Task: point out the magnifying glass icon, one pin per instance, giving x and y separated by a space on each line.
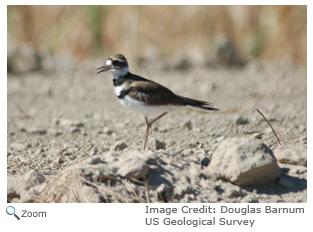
11 211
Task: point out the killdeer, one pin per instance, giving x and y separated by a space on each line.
145 96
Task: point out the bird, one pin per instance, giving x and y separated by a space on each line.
146 96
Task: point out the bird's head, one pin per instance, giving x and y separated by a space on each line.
117 65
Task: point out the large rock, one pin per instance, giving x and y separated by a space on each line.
244 162
24 188
291 154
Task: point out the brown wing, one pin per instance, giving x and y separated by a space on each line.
155 94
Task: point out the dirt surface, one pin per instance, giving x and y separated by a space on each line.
57 118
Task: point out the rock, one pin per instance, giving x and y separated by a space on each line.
75 130
68 123
256 136
244 161
14 187
233 191
250 199
38 131
154 168
220 139
106 130
303 139
210 174
291 154
301 170
18 146
180 190
155 144
188 152
32 178
118 146
188 125
94 160
162 188
58 133
241 120
22 188
205 162
133 168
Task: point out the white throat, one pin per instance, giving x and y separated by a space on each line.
118 73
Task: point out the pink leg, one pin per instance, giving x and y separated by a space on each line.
149 124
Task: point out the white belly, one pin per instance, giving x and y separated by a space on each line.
144 109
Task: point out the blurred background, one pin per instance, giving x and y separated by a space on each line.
229 34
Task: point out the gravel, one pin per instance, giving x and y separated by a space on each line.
67 125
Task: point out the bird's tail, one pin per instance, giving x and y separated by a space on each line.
197 103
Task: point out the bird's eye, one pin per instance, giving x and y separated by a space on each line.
115 62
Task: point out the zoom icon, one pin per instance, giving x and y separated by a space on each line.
11 211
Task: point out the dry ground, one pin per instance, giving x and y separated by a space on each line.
58 118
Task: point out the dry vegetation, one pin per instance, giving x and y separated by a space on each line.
267 32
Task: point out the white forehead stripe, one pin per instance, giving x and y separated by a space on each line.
108 63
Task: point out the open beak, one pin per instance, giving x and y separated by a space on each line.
103 69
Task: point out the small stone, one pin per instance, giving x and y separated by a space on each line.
292 154
133 168
250 199
205 162
58 133
106 130
61 160
94 160
33 178
36 152
214 86
155 144
301 170
220 139
256 136
75 130
118 146
69 123
181 189
193 145
233 191
188 125
18 146
210 174
162 188
303 140
188 152
241 120
154 168
38 131
67 153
